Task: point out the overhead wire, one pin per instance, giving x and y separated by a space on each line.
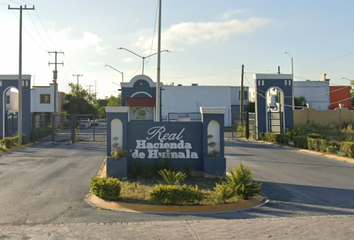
30 35
153 35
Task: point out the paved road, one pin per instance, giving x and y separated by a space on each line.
43 186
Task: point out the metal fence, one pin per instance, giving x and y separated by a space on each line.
184 117
67 128
244 125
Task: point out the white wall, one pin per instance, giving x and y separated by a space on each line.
183 99
235 95
316 93
36 106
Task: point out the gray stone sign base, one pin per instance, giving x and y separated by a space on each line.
117 168
214 167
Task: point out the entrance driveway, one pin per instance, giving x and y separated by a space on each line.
42 190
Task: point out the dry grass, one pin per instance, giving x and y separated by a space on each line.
137 190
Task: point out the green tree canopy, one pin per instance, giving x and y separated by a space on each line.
79 101
111 101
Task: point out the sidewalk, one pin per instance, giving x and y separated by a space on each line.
326 227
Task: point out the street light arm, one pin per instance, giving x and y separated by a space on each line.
157 53
121 48
113 68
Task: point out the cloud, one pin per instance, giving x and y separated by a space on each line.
95 63
128 59
189 33
230 13
87 41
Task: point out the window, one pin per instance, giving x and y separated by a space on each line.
45 98
7 99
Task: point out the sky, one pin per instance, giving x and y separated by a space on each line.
208 40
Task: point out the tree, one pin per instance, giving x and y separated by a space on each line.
79 101
111 101
300 102
115 101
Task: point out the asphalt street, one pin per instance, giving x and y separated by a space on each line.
45 184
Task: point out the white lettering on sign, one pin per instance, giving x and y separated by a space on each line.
166 143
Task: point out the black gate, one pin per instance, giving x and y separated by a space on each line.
252 130
11 124
90 128
275 122
50 127
239 125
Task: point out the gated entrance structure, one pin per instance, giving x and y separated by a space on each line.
11 81
274 102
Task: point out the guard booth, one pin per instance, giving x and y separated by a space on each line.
274 103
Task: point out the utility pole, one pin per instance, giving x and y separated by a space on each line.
158 91
95 89
19 131
241 92
89 86
77 75
55 77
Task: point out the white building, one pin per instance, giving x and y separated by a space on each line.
183 100
316 93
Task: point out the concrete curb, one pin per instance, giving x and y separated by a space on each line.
130 207
100 203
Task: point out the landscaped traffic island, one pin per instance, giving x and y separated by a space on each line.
176 192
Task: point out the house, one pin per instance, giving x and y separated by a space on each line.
340 95
179 103
42 103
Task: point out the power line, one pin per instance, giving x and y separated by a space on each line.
38 31
55 46
31 35
153 35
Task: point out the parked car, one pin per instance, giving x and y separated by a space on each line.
102 119
94 121
85 123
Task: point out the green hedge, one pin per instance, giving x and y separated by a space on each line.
317 144
300 141
275 137
106 188
176 195
9 142
348 149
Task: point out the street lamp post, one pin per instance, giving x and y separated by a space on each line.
292 73
116 70
142 57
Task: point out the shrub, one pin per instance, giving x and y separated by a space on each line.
9 142
348 149
223 192
331 149
276 138
118 153
240 181
262 136
317 144
106 188
171 177
176 195
314 135
290 133
300 141
241 131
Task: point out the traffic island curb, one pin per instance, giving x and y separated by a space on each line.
131 207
